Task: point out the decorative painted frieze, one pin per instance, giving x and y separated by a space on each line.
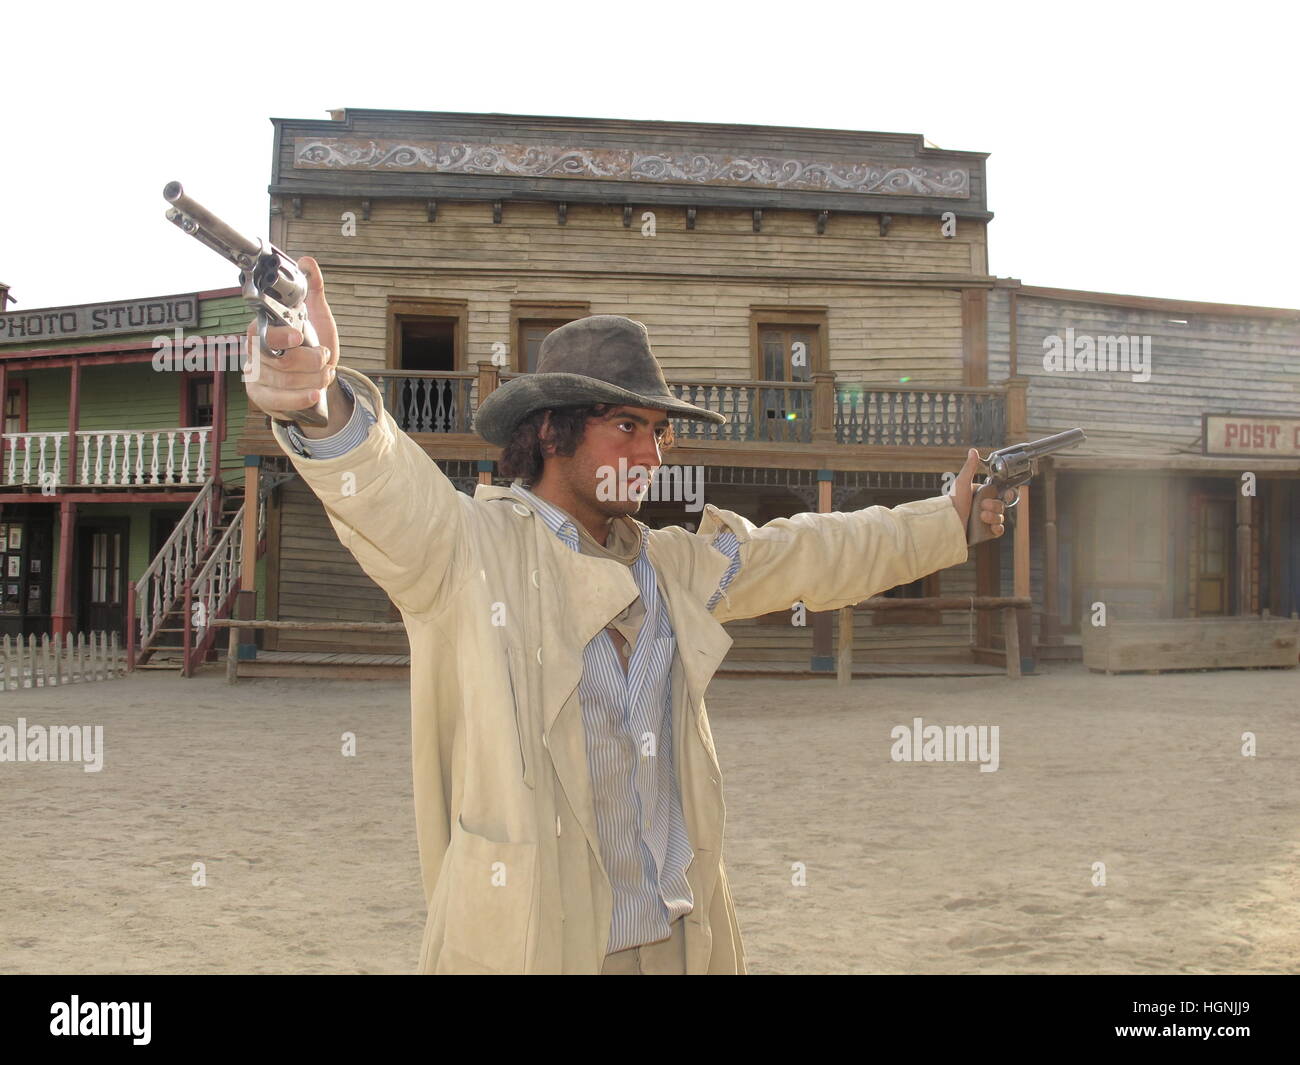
618 164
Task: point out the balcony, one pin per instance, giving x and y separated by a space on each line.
106 458
820 412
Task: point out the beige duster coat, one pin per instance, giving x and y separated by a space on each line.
509 854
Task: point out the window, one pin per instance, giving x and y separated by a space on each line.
16 407
532 331
427 335
530 322
198 401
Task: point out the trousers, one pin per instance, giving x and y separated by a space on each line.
665 957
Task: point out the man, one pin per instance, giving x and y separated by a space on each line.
568 798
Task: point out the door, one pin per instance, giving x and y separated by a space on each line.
1212 556
102 575
789 353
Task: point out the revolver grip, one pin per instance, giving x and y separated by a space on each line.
977 532
318 415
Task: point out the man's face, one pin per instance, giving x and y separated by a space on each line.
613 467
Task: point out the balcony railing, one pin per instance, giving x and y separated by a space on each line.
108 458
920 417
767 411
423 401
821 411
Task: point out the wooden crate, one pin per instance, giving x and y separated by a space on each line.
1190 643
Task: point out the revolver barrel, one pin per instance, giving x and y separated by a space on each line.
1055 442
202 224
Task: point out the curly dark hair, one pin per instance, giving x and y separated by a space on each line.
524 455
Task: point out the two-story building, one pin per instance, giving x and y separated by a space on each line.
119 476
826 289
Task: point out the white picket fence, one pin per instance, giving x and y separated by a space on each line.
39 661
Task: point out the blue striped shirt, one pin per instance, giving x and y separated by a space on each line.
627 719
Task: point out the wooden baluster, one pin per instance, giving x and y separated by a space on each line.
203 451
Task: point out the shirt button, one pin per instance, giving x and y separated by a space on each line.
521 510
627 650
647 824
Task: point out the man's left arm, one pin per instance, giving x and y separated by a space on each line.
827 561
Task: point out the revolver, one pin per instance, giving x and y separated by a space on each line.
273 285
1005 471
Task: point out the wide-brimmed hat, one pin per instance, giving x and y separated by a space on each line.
604 358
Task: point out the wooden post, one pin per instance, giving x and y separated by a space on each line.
4 406
245 605
1245 569
130 626
1020 581
232 656
823 412
218 434
185 625
489 379
74 421
62 621
1011 633
844 671
1013 331
1051 560
1017 409
822 660
975 336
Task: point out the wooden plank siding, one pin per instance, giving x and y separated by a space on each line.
1213 362
319 580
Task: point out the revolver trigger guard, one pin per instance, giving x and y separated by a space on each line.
263 321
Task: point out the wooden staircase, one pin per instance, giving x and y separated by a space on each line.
193 580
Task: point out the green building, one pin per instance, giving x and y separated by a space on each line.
120 478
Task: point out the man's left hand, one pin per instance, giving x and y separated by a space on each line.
991 511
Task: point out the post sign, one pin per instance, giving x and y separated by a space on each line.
53 324
1256 435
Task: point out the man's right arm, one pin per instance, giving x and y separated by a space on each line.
390 505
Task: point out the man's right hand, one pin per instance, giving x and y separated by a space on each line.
294 381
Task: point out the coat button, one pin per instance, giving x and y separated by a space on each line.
536 581
544 743
521 510
557 824
539 656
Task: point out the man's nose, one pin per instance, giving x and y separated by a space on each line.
647 453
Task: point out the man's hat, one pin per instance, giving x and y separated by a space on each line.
604 358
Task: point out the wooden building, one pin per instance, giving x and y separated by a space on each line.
119 474
1185 500
826 289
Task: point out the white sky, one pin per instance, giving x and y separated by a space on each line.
1135 147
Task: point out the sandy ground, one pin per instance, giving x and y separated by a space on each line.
311 862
